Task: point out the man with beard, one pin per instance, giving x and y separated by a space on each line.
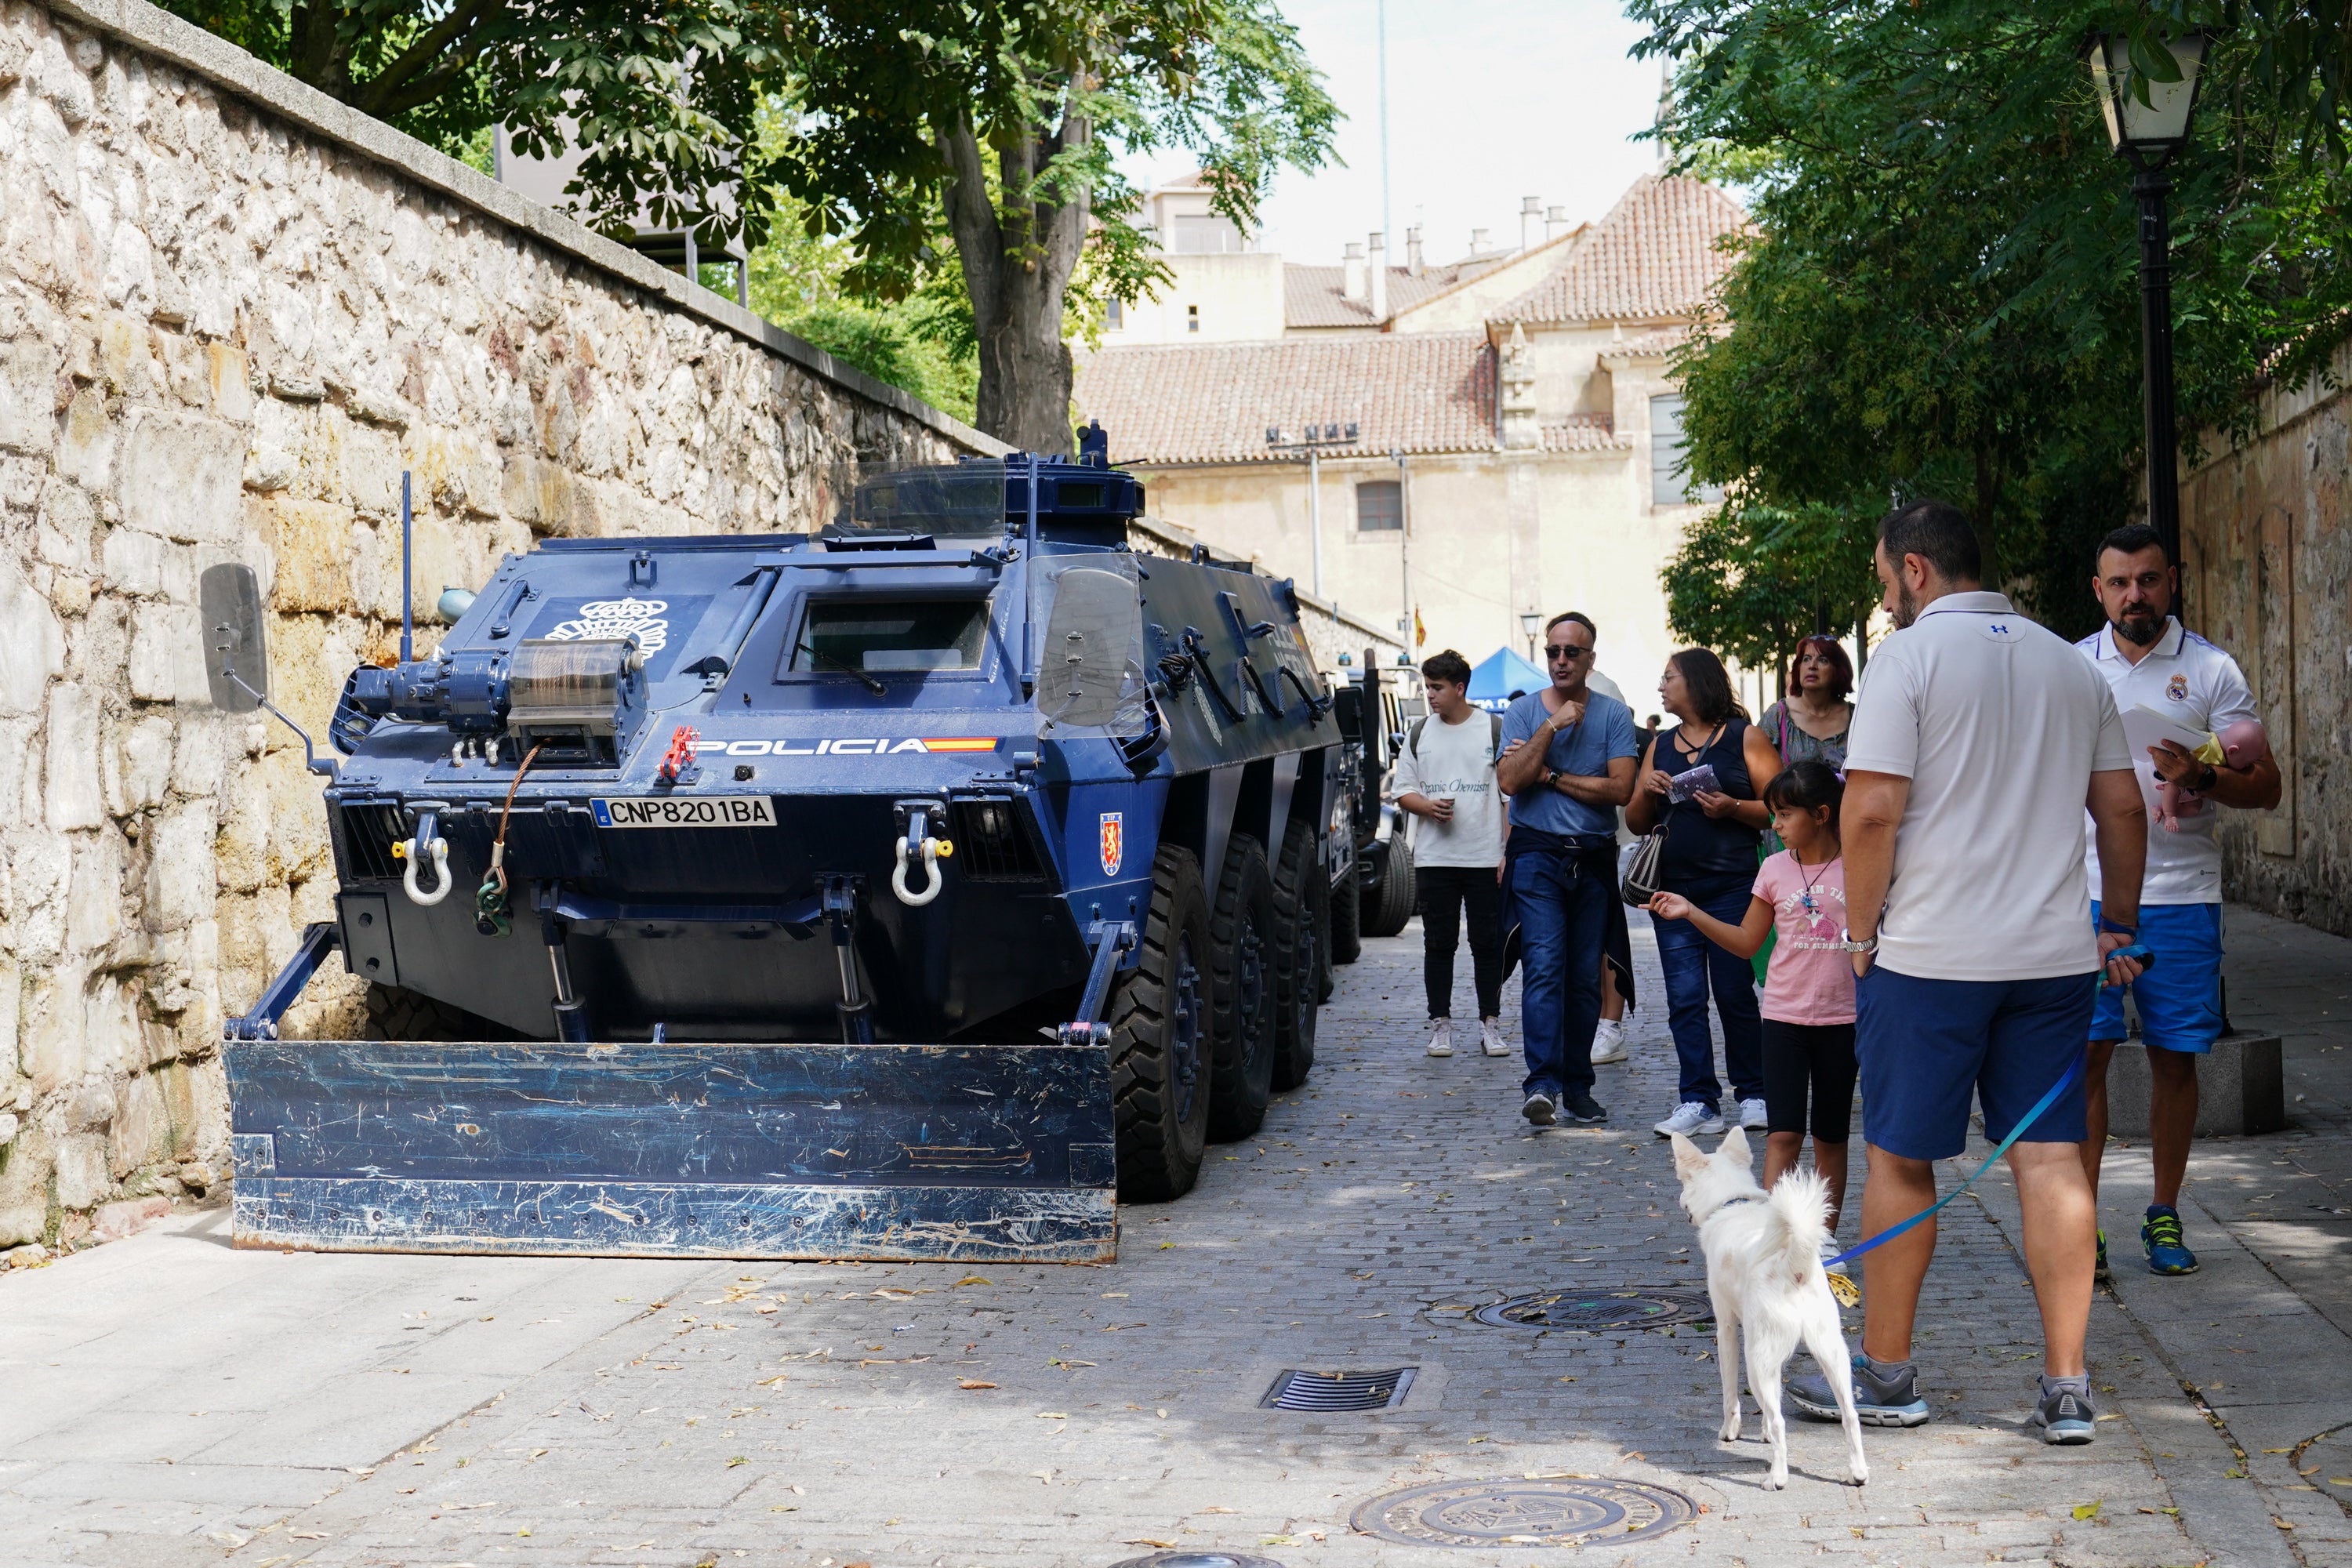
1977 740
2151 661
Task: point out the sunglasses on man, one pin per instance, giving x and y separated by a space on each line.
1569 652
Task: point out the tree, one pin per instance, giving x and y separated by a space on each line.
988 126
662 97
1940 292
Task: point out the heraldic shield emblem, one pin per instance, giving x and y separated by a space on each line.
1114 843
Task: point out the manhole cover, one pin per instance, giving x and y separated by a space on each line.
1525 1513
1197 1560
1338 1390
1592 1310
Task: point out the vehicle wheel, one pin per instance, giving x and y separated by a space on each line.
1347 915
1302 912
1241 936
395 1013
1161 1041
1389 906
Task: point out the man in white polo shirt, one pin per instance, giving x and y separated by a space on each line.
1978 738
2151 661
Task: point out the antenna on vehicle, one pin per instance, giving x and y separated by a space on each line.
407 598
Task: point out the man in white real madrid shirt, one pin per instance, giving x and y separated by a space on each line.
2151 661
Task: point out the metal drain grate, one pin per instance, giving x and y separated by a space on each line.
1546 1511
1592 1311
1296 1390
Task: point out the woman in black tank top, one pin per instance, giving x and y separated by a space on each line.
1710 858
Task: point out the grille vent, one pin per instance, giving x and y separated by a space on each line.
1295 1389
367 834
994 842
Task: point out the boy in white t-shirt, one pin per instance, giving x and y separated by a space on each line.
1444 777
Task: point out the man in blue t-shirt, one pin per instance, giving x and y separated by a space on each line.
1567 764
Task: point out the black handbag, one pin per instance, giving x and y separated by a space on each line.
1639 885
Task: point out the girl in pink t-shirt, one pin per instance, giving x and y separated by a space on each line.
1808 1004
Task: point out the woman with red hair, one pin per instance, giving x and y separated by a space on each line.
1811 718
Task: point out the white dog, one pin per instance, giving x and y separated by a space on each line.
1764 1276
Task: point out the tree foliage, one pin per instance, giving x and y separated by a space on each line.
660 96
1940 294
985 130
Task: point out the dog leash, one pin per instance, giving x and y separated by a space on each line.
2135 951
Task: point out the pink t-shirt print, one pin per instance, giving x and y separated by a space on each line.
1811 980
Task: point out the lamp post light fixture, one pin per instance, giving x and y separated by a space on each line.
2147 123
1529 623
1318 439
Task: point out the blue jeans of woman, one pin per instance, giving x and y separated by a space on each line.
1693 967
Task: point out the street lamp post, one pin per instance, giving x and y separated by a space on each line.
2148 123
1318 439
1529 623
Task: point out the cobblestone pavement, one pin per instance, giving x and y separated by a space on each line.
171 1400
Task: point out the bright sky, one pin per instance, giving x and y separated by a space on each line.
1488 103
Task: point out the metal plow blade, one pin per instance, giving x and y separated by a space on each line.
958 1154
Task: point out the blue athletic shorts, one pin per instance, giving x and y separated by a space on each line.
1928 1047
2179 999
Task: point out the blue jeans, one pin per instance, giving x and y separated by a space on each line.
1693 963
1562 913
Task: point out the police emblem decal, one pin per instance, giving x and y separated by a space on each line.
1114 843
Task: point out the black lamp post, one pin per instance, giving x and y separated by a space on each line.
2147 121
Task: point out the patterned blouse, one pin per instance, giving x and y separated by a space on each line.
1794 746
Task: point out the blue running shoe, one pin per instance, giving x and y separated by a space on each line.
2159 1233
2064 1412
1883 1396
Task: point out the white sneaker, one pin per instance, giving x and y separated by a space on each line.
1830 1247
1690 1119
1441 1044
1753 1116
1609 1042
1490 1038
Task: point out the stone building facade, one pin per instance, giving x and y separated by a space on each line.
2266 547
232 313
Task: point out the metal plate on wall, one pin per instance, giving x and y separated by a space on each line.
1565 1513
1595 1311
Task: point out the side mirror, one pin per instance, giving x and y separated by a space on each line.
237 657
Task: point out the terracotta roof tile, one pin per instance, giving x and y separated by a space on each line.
1317 296
1212 402
1653 256
1582 433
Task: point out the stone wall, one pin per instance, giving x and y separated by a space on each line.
232 314
2266 542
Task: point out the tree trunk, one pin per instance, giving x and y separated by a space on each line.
1016 269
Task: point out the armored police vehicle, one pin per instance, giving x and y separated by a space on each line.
904 890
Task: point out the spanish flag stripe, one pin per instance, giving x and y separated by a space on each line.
960 743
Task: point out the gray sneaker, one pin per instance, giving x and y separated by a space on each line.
1538 1109
2064 1412
1883 1396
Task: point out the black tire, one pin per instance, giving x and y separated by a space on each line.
1161 1040
1302 913
1348 914
395 1013
1389 905
1241 928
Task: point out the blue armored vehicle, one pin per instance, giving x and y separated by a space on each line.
911 890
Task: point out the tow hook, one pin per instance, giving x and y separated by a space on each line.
426 843
919 845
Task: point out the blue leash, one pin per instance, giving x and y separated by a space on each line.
2082 1058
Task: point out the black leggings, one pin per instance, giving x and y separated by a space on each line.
1445 892
1811 1061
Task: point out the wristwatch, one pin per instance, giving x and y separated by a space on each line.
2213 776
1551 778
1845 940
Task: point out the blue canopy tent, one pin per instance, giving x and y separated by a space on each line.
1502 673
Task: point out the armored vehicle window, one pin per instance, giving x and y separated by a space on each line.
883 636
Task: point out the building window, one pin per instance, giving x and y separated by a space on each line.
1115 314
1669 472
1191 318
1379 504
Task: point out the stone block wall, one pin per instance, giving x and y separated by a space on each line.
232 315
2266 542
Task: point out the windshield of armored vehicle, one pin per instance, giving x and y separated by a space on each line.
946 500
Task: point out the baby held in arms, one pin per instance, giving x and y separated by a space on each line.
2238 747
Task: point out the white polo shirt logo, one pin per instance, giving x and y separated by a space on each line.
1999 632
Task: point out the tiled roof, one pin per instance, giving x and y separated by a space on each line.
1582 433
1317 296
1665 340
1653 256
1212 402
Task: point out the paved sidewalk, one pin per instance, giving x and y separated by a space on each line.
173 1401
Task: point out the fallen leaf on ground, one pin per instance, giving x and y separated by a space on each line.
968 1280
1147 1541
973 1382
306 1535
2086 1511
738 1459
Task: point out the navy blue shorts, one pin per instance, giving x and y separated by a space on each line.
1926 1047
2180 999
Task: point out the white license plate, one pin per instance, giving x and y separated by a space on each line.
669 811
